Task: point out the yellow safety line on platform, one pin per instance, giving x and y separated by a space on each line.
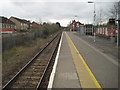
86 77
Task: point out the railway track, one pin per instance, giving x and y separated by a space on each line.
35 74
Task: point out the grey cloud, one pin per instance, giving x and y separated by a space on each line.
54 10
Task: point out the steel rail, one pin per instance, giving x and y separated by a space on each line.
14 77
41 79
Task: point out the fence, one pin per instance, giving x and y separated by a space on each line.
18 39
106 31
22 37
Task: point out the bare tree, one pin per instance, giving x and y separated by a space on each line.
119 10
114 10
99 17
102 16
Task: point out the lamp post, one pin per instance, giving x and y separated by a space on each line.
94 20
118 35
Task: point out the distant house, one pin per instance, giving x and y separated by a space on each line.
107 30
6 25
34 25
21 24
112 27
75 26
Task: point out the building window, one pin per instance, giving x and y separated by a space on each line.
7 26
11 26
0 25
3 25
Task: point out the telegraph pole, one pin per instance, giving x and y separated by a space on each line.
94 23
118 26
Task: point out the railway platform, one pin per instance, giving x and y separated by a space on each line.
80 65
66 76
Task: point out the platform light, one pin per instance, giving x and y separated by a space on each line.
94 20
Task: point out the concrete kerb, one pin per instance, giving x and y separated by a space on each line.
50 84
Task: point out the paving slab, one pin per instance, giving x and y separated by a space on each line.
66 75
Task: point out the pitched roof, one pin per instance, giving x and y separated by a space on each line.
35 23
88 24
5 20
21 20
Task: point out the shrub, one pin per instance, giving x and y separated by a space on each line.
49 29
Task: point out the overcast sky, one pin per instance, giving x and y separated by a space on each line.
62 11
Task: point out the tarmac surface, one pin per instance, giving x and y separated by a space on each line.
103 65
83 63
105 45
